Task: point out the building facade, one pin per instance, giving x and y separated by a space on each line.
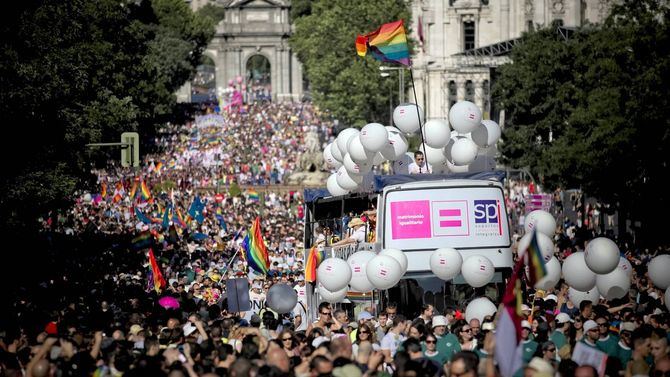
465 40
251 46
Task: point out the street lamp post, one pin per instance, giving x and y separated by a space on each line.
401 80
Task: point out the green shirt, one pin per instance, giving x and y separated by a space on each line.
558 338
529 348
438 357
448 345
624 353
608 345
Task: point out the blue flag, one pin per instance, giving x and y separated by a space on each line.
195 211
166 217
142 217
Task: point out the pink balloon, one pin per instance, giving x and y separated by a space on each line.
239 79
230 82
169 302
244 87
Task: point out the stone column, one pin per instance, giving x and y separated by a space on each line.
479 92
460 88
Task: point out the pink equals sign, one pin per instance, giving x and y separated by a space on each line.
450 213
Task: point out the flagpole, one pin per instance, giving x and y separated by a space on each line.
418 115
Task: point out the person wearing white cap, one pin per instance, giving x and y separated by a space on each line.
624 347
447 343
563 323
591 334
529 345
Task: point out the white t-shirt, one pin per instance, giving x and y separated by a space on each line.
299 310
302 292
391 342
359 234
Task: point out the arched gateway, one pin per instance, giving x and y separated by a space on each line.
251 43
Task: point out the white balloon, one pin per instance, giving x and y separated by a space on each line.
332 297
433 155
457 169
614 284
383 271
477 270
336 152
356 168
347 181
436 133
480 308
625 266
281 298
578 296
374 136
465 116
667 298
544 242
398 144
659 271
328 157
446 263
343 138
333 188
398 255
486 134
553 275
464 151
602 256
406 119
541 220
359 278
357 151
577 274
334 274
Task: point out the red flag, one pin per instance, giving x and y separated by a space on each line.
159 282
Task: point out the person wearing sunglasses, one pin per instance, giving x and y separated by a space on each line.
607 343
563 324
431 351
624 346
325 319
288 343
662 368
465 337
364 334
549 352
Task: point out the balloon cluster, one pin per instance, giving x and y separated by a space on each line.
354 153
598 271
363 271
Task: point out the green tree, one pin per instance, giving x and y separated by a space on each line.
79 72
600 95
214 12
342 82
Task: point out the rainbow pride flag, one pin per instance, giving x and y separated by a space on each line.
314 259
536 267
388 43
133 190
253 195
146 193
158 280
255 251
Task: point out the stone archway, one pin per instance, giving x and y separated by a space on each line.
257 27
258 78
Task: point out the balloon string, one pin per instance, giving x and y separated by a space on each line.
418 115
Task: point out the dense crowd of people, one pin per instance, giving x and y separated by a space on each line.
109 314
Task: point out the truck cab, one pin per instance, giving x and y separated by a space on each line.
418 214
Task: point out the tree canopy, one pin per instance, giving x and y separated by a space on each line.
341 81
591 112
77 72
